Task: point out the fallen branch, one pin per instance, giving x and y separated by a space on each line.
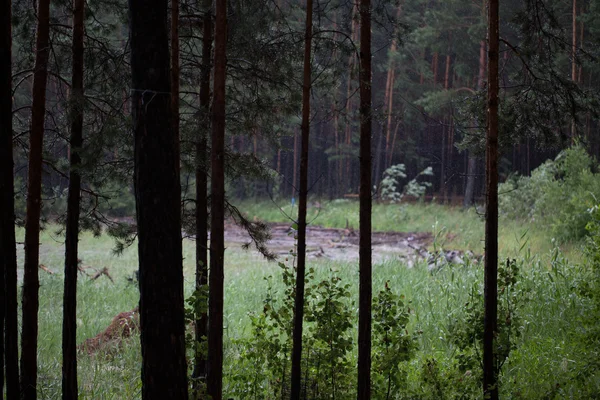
46 269
103 271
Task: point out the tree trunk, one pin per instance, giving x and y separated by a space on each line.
574 64
389 92
490 382
300 271
365 289
469 199
31 284
348 129
157 193
8 260
217 245
69 340
201 326
175 74
8 254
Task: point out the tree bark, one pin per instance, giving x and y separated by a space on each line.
303 194
217 245
175 73
469 199
8 254
31 284
574 64
490 382
201 326
365 284
69 339
157 192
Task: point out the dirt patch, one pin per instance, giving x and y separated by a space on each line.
121 327
337 244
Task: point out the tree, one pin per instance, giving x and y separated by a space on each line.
31 284
302 197
69 339
157 194
8 257
365 285
490 382
217 244
201 325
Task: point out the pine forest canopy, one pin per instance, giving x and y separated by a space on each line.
426 100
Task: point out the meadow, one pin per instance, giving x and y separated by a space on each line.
549 360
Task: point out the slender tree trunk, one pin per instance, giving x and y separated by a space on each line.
389 93
217 245
8 255
175 74
69 340
300 272
469 199
31 284
390 109
490 381
157 193
201 326
295 166
445 134
574 65
348 129
365 285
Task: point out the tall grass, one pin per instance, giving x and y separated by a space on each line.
548 351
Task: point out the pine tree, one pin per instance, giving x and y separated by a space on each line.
157 193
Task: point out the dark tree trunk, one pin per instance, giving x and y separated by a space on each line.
175 74
157 192
574 65
31 284
7 206
69 339
490 382
365 285
7 218
300 272
217 245
201 326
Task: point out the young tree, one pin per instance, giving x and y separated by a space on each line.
365 286
31 284
490 382
217 245
69 339
8 254
201 326
157 193
300 272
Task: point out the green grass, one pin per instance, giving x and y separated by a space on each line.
548 351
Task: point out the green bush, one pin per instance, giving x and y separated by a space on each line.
557 195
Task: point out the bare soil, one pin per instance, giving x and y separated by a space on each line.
336 244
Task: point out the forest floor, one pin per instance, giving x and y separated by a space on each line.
337 244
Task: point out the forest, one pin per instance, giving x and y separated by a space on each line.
315 199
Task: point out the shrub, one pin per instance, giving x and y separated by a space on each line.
558 194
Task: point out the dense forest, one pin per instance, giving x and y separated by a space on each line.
388 199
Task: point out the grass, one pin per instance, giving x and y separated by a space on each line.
548 351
